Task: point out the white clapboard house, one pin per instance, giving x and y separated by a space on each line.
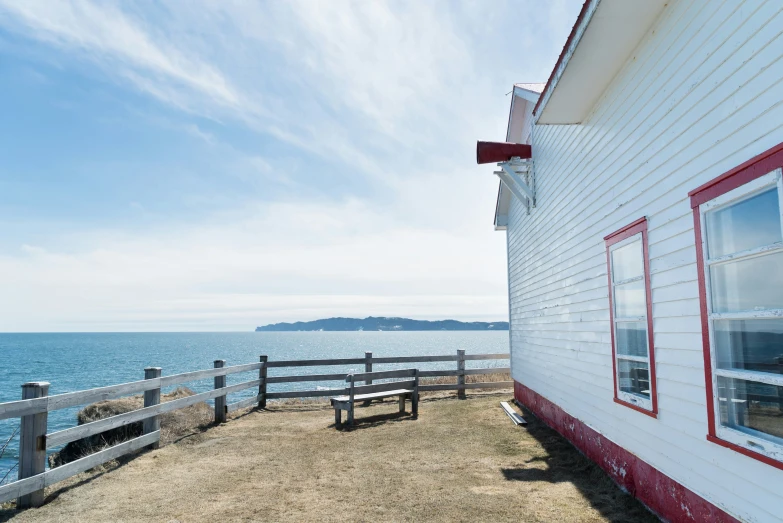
641 198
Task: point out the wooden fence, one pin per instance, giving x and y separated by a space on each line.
36 403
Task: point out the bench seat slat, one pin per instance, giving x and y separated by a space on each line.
374 395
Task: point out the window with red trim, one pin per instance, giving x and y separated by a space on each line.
630 313
739 231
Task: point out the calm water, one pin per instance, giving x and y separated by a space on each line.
73 362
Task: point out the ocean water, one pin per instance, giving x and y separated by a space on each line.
76 361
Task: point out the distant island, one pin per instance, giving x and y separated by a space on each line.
383 324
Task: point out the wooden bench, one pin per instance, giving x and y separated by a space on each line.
366 393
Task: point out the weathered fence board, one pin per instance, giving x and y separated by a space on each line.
452 386
96 427
414 359
381 375
185 377
15 409
307 377
383 387
499 356
467 372
314 363
38 483
305 394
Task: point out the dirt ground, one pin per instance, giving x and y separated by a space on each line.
459 461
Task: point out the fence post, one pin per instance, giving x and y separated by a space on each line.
262 385
152 397
220 401
32 444
461 373
367 368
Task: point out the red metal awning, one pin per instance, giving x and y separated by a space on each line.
495 152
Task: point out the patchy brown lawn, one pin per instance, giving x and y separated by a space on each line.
460 461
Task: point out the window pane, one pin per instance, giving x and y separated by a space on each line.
632 338
751 405
748 284
633 377
627 261
629 300
750 223
750 345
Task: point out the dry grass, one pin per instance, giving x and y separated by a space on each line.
173 425
459 461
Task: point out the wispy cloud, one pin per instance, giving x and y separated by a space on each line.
352 126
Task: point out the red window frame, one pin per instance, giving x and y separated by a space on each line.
752 169
632 229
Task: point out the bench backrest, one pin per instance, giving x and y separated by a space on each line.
354 389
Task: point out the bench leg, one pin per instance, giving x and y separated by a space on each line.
415 403
338 418
402 402
350 414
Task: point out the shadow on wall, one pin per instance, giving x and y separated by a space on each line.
564 463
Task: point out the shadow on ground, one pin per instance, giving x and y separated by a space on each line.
368 422
564 463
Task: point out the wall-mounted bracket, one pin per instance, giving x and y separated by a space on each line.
518 176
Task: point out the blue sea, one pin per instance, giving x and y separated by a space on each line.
76 361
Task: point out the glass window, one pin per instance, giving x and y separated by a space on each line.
755 345
627 262
751 405
748 284
629 279
632 338
743 263
629 299
633 377
751 223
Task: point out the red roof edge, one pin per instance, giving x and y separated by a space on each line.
571 37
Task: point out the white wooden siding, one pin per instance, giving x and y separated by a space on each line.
701 94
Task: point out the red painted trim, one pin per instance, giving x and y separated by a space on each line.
560 58
705 322
632 229
627 231
631 405
754 168
746 452
666 497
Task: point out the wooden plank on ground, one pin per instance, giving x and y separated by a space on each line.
516 418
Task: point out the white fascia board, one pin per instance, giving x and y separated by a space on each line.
526 94
604 41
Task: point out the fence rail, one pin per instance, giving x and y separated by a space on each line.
35 405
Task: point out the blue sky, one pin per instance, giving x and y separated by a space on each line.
215 165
